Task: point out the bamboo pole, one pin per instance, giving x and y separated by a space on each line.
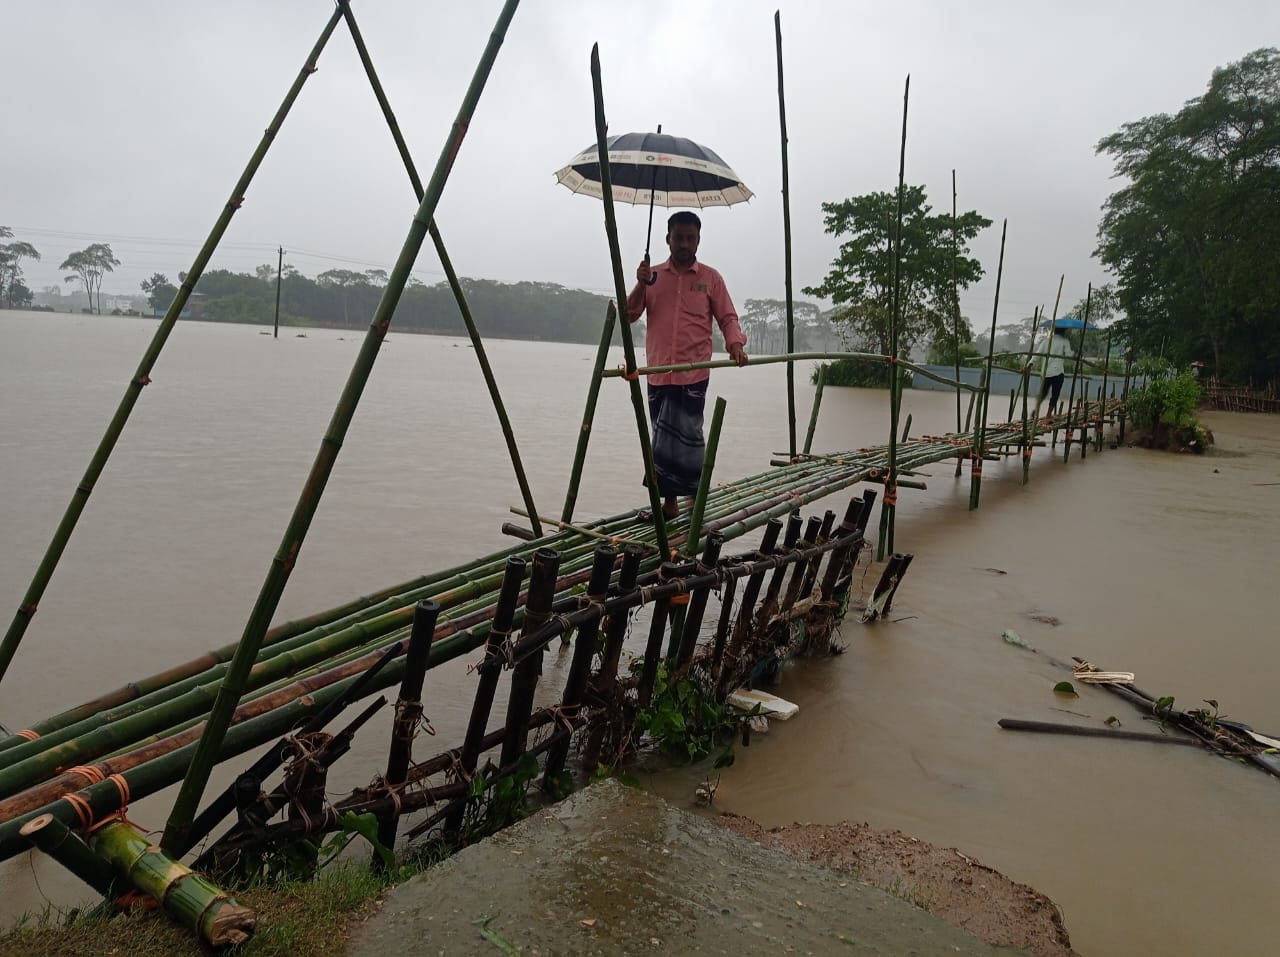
408 714
620 293
53 837
704 481
813 416
187 897
615 633
44 572
179 823
589 413
473 333
889 506
1102 399
584 648
1026 388
482 705
786 240
698 603
980 449
526 672
955 299
1075 374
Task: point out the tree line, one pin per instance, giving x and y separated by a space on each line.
87 266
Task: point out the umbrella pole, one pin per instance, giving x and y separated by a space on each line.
628 344
786 242
482 357
980 446
44 572
648 236
178 827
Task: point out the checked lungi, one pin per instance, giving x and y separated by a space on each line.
678 444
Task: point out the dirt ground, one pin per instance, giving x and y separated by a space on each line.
947 883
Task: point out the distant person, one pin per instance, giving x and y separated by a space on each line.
680 304
1057 349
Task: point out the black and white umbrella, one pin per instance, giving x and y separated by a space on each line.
656 169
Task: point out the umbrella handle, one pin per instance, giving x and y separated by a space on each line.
653 277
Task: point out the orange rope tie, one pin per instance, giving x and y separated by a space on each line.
891 497
123 787
91 774
28 734
83 809
680 599
629 376
977 468
1026 452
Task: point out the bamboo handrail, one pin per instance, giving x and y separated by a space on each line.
786 357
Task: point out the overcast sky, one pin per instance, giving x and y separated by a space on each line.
129 123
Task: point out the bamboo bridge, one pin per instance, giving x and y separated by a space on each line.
66 780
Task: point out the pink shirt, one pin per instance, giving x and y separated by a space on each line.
680 306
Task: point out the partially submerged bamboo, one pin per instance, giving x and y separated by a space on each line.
589 413
980 447
142 377
889 505
813 416
786 240
704 480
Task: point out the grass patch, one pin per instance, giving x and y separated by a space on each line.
295 919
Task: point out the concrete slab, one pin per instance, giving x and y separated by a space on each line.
617 871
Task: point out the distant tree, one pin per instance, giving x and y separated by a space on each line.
376 277
11 256
266 272
159 290
860 282
18 295
89 265
1191 237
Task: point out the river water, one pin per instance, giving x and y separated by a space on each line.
1159 564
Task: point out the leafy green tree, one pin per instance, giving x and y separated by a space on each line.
11 256
860 282
1192 236
89 265
159 290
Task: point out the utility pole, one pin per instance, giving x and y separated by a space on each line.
275 334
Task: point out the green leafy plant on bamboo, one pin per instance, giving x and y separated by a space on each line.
1163 709
685 719
497 800
1205 715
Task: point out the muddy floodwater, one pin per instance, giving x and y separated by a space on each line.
1164 565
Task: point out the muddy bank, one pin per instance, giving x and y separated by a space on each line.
947 883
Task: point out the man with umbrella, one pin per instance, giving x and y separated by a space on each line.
1057 349
680 298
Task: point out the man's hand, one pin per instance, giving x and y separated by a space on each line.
644 272
738 354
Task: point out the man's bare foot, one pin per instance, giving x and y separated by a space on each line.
670 509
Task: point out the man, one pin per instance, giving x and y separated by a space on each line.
681 302
1057 348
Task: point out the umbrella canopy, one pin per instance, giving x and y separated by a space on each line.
656 169
1069 322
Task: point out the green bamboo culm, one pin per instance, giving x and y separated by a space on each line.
786 241
870 357
589 413
620 293
980 447
188 898
1102 399
1026 387
955 295
1044 368
692 545
889 505
813 416
44 572
179 824
486 370
1072 416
